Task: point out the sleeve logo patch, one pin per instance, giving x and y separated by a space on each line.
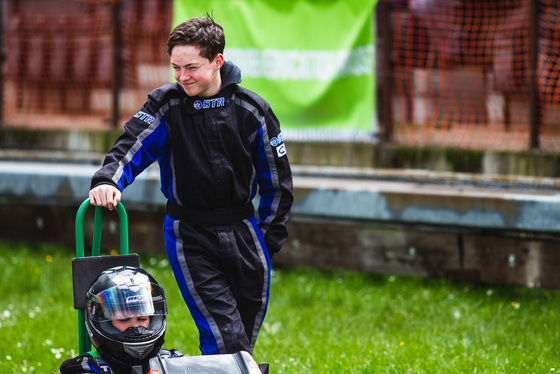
278 143
281 150
144 117
276 140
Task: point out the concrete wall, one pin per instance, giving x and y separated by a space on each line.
417 223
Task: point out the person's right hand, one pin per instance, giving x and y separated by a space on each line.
105 195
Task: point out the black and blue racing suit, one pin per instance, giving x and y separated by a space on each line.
214 154
92 362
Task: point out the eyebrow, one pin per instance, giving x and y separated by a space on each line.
189 64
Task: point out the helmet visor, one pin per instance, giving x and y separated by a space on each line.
127 301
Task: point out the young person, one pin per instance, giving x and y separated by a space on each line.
126 319
217 144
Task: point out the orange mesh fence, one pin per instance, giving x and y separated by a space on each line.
461 69
548 73
462 73
60 64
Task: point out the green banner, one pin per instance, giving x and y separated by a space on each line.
312 60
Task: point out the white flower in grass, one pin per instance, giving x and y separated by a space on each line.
456 314
8 357
19 344
6 314
490 292
31 314
57 352
272 328
47 342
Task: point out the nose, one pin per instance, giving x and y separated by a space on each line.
184 76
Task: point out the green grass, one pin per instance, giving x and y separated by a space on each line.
318 321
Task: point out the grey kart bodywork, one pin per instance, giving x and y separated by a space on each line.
236 363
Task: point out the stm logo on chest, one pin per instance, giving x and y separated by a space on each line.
209 103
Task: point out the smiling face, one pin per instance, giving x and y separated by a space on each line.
197 75
123 324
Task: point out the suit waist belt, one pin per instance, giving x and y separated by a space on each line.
217 217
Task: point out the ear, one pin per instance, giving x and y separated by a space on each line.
219 61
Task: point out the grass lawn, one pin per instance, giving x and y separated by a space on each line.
318 321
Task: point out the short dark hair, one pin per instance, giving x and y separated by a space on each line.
201 32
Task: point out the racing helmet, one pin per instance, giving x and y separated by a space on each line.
120 293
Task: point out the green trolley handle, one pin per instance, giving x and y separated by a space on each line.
84 339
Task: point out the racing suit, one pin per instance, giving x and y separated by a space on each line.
92 362
214 154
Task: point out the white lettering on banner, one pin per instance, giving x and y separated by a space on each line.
297 65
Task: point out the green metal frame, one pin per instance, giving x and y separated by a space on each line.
83 336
